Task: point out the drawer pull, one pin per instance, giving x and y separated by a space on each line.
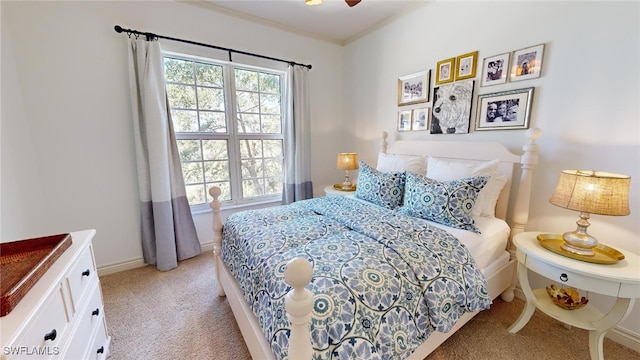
51 336
86 273
95 312
100 350
564 277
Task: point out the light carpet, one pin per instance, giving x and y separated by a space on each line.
178 315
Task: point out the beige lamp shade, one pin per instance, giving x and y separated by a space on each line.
347 161
593 192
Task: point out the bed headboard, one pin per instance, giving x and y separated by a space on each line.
481 151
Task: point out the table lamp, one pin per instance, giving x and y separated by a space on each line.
590 192
346 162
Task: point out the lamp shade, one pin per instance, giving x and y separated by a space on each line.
593 192
347 161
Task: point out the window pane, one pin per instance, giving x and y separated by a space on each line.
270 83
271 124
189 150
252 168
250 149
269 104
272 148
216 171
181 96
210 98
272 167
207 74
213 121
248 123
192 172
177 70
215 150
185 120
246 80
195 194
273 186
252 188
247 102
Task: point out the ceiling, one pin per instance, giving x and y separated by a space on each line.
332 21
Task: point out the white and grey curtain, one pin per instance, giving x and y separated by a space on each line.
297 147
168 231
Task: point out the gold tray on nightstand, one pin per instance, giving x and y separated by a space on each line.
603 253
339 187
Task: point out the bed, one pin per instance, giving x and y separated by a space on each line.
310 286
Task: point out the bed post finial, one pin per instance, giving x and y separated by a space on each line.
383 144
298 303
215 192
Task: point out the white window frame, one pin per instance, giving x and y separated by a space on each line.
232 135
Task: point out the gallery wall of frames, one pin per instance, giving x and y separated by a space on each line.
447 109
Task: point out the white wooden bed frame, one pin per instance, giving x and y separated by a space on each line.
299 301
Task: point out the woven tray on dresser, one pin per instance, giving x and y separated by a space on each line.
22 264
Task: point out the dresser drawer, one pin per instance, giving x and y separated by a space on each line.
51 321
87 320
99 348
80 278
572 279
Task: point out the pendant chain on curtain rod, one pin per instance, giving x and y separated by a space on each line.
151 36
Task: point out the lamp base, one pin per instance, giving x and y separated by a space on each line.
347 185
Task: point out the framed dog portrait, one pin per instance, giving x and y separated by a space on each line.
527 63
404 120
466 66
419 119
445 71
451 109
506 110
414 88
495 70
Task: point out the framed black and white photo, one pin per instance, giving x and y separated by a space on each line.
419 119
495 70
466 66
414 88
445 71
527 63
451 109
506 110
404 120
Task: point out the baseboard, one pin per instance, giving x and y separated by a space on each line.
620 335
136 263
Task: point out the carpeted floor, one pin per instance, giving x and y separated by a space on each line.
178 315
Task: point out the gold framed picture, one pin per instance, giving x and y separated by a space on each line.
444 71
404 120
466 66
414 88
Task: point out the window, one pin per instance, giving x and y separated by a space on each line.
244 157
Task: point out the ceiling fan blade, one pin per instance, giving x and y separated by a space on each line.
352 3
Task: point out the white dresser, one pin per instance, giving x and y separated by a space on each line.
62 316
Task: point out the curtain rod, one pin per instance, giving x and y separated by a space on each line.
151 36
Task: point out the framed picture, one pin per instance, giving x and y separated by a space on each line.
451 109
506 110
495 70
444 71
404 120
414 88
527 63
466 66
419 119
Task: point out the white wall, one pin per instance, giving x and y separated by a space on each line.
68 159
585 102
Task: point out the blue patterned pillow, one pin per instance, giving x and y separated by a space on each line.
448 202
383 189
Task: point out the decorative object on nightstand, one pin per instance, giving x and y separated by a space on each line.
589 192
346 162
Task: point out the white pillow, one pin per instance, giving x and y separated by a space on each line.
446 170
399 163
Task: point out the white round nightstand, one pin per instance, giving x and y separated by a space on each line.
620 280
330 190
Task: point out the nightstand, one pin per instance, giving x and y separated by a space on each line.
330 190
620 280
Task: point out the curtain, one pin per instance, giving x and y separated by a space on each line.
297 147
168 231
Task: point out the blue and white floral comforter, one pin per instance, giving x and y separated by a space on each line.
383 281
